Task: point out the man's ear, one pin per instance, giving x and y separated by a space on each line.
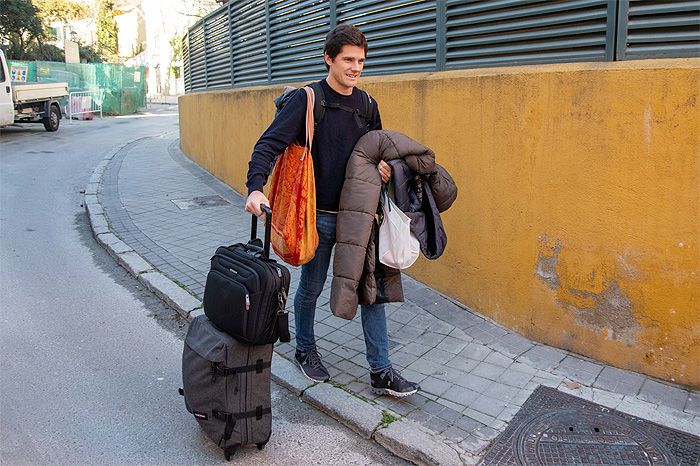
329 60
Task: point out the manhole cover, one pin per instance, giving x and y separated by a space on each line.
553 428
200 202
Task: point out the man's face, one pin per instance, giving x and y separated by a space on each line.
345 69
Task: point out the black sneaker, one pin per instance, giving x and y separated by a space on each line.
390 382
311 365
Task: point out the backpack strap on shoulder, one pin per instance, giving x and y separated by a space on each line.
368 106
319 103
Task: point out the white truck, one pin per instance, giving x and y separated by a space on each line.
29 103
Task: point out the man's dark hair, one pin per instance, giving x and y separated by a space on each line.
343 34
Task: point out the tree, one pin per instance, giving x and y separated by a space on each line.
20 26
61 10
88 53
107 45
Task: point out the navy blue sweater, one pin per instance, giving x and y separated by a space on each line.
334 140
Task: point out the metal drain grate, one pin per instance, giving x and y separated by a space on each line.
553 428
200 202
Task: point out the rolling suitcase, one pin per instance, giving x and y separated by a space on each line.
226 385
246 291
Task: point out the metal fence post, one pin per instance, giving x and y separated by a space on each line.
440 34
230 39
620 37
332 17
267 40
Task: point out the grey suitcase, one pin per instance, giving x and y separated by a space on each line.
226 385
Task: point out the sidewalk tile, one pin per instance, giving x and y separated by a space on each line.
693 404
499 359
467 423
656 392
449 404
579 370
506 393
416 349
455 434
474 444
463 364
430 339
619 381
480 417
542 357
476 351
487 405
512 345
515 378
441 327
449 415
487 332
460 395
452 345
489 371
436 424
474 382
439 356
435 386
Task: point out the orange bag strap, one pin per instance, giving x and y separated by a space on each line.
310 102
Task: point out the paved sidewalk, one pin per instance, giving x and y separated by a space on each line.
162 217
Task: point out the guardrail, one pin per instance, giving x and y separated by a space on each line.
84 104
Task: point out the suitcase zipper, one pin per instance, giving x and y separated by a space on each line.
247 302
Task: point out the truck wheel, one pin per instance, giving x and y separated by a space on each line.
52 121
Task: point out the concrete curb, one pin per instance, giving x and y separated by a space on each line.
402 437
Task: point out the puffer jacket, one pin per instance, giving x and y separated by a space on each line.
355 255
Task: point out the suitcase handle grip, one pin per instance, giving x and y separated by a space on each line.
268 228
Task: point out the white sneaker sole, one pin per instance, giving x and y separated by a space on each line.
387 391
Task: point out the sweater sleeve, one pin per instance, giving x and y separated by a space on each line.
284 129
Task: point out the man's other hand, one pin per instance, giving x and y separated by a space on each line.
252 204
384 171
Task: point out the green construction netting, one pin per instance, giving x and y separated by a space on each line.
123 87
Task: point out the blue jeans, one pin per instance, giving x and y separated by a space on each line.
313 277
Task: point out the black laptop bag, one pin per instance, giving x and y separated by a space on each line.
246 291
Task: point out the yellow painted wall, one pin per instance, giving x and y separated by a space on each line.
578 217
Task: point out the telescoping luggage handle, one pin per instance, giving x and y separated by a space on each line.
268 228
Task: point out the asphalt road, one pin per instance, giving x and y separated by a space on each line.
89 359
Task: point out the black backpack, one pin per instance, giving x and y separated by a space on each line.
363 119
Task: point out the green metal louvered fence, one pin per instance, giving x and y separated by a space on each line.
250 42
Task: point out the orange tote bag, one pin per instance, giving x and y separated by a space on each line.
293 198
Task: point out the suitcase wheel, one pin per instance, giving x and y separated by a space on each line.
261 445
229 452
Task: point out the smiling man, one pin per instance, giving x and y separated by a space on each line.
349 113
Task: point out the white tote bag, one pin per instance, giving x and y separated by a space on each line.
398 247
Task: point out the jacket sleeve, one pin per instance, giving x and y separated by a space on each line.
443 187
284 129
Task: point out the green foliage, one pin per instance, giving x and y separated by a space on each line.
176 46
61 10
20 26
387 418
89 54
46 52
107 45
